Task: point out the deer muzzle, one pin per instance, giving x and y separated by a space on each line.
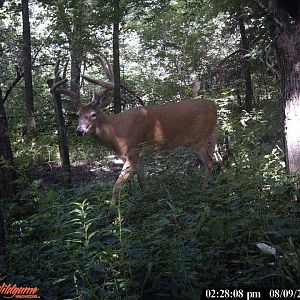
81 132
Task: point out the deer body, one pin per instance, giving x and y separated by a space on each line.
191 123
187 123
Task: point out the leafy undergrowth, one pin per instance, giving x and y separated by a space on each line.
170 239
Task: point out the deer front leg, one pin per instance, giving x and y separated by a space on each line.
127 170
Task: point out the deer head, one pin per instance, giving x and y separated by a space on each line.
88 114
191 123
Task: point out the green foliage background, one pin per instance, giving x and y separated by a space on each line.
171 239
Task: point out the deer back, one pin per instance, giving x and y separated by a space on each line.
167 126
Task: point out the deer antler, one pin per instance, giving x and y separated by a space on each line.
59 86
101 98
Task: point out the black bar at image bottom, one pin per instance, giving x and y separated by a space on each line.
251 294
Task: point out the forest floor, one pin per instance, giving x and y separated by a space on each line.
82 171
105 169
171 238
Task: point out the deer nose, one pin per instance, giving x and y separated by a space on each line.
80 132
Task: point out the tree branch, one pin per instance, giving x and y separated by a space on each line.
20 75
18 78
269 14
12 85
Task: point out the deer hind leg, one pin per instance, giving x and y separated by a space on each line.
206 152
140 172
127 170
206 160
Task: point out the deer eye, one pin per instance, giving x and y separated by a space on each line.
93 116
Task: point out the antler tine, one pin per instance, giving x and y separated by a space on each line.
58 85
65 69
106 67
56 70
108 72
56 88
100 82
101 98
57 81
69 93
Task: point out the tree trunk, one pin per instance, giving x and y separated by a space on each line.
285 29
7 175
2 241
247 71
62 139
76 61
288 53
116 57
27 67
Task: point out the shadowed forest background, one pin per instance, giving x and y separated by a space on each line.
171 238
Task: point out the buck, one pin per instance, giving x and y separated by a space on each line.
190 123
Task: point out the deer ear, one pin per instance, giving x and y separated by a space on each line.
105 101
102 100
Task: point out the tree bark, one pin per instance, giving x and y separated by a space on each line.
2 240
285 29
247 69
61 128
116 57
76 61
62 139
7 175
72 25
288 53
27 67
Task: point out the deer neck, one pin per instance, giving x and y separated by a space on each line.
106 133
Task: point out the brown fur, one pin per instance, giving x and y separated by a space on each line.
191 123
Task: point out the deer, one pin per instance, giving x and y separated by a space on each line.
190 123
